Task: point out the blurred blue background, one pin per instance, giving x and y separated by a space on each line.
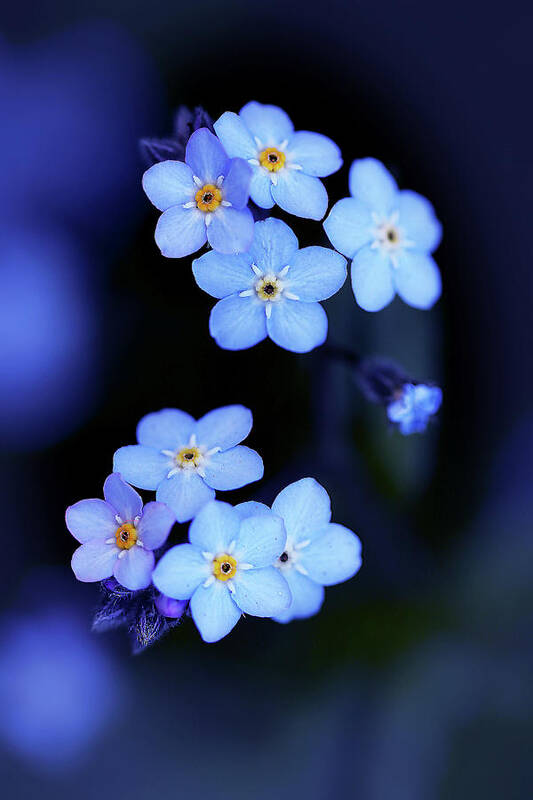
414 682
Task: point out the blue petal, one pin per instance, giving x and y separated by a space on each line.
235 136
205 156
169 183
167 429
220 275
261 592
273 246
296 326
231 230
427 398
213 611
304 507
372 281
418 219
251 509
261 540
236 185
238 322
215 528
125 500
349 226
315 153
300 194
180 571
141 466
372 184
155 525
233 468
94 561
316 273
91 519
333 556
134 569
270 124
261 188
417 279
404 405
180 231
185 493
224 427
307 597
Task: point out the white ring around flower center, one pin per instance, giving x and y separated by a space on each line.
189 458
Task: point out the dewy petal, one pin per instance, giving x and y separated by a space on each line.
304 507
168 183
270 124
224 427
332 557
261 539
185 493
238 322
94 561
213 611
205 156
315 153
134 569
417 279
296 326
300 194
167 429
251 509
273 246
261 188
180 231
221 275
155 525
307 597
418 219
235 136
261 592
349 226
316 273
180 571
91 519
231 230
141 466
372 184
214 528
237 183
125 500
372 281
233 468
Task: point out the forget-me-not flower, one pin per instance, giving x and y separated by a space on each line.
226 570
185 460
203 198
286 164
273 290
413 406
317 552
118 535
390 235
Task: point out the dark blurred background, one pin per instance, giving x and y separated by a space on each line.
414 682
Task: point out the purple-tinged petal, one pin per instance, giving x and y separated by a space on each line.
224 427
180 571
167 429
185 493
94 560
91 519
213 611
134 568
236 186
231 230
180 231
233 468
155 525
125 500
206 156
141 466
169 183
168 607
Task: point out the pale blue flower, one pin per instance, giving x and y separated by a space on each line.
413 406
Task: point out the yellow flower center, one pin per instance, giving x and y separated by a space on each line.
224 567
268 288
126 536
189 457
272 159
208 198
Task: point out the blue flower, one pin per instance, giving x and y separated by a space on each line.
186 460
413 407
273 290
118 535
226 570
317 552
203 198
286 165
389 235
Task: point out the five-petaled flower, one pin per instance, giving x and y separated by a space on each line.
273 290
390 235
186 460
287 165
226 570
118 535
413 406
203 198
